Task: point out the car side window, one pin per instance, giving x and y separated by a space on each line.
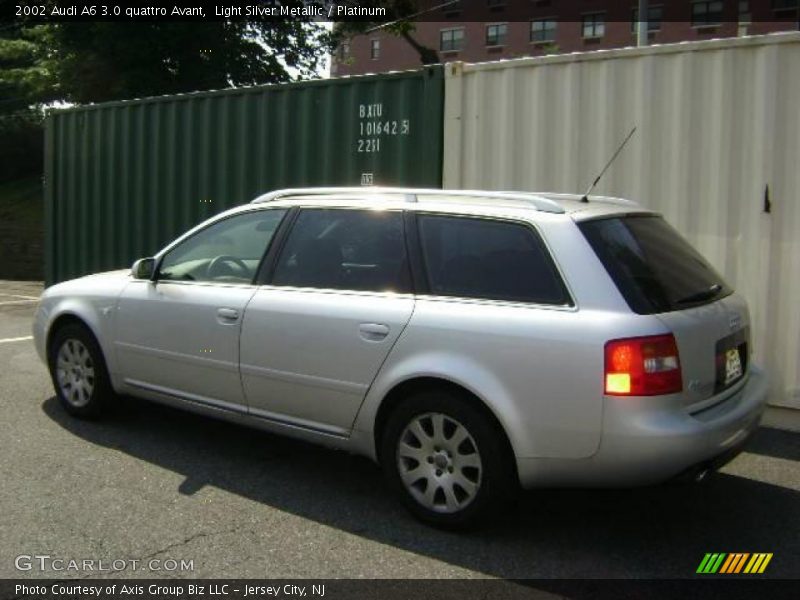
228 251
483 258
345 249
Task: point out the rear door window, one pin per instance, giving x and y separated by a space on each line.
654 268
482 258
345 249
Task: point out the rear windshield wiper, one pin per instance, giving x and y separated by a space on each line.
706 294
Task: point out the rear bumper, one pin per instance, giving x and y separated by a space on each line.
643 443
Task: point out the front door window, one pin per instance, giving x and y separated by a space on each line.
229 251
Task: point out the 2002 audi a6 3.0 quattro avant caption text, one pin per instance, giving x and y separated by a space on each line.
469 342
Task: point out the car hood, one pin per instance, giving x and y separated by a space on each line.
106 283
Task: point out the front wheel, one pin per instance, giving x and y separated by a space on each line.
446 460
78 371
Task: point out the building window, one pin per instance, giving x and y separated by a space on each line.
496 5
344 50
451 40
543 30
785 4
707 13
594 26
375 49
496 34
653 19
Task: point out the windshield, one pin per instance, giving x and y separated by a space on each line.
654 268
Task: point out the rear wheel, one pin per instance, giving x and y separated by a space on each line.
78 371
446 460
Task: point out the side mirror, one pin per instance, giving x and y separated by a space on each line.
144 268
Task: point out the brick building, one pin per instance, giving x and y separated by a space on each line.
483 30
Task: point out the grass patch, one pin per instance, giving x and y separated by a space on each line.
22 203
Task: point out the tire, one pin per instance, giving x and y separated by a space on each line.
446 460
78 371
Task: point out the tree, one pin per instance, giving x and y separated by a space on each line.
101 61
399 15
26 83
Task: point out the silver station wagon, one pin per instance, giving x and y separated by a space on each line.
469 342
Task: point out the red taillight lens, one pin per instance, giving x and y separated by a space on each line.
643 366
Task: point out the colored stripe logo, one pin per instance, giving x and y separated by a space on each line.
734 563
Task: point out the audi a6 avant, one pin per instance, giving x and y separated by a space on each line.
467 341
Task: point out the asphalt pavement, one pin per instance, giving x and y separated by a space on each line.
152 483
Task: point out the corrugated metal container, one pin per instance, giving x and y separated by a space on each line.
124 178
718 122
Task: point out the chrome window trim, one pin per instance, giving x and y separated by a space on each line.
215 284
498 303
335 291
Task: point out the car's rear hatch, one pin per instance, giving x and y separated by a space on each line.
659 273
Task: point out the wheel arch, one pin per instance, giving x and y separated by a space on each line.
66 318
404 389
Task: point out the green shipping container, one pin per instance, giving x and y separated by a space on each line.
124 178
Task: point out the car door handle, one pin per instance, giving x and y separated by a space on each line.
373 332
227 315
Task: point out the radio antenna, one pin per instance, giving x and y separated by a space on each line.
585 197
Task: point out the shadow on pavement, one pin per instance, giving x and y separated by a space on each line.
776 443
659 532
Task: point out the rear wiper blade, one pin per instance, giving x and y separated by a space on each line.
706 294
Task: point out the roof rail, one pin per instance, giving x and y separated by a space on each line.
411 195
592 198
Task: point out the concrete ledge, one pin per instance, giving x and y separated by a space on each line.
22 249
782 418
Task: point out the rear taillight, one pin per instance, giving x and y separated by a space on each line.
643 366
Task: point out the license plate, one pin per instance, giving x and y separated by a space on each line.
733 366
731 359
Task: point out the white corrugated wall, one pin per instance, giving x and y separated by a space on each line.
717 121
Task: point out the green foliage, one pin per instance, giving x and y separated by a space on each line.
21 203
25 72
26 83
108 61
551 48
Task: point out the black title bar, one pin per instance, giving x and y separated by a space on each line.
384 11
729 588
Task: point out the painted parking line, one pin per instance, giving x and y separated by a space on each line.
16 339
19 296
10 302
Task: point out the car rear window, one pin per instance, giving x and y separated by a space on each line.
482 258
654 268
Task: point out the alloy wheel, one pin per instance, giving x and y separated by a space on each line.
439 463
75 372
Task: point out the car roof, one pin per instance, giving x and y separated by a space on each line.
475 201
